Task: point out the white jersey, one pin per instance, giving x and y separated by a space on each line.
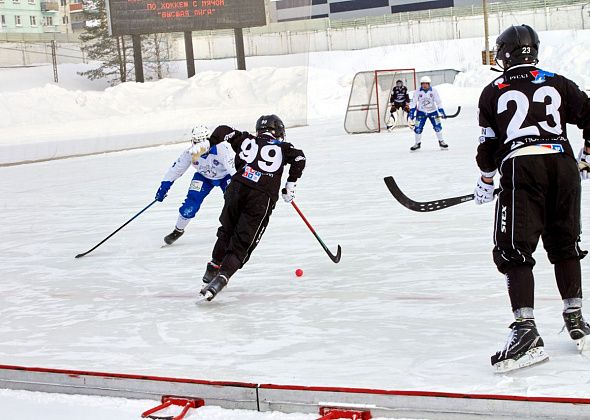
216 164
426 101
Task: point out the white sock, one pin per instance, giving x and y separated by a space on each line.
182 222
572 305
524 313
418 138
439 135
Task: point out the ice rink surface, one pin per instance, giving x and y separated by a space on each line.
414 304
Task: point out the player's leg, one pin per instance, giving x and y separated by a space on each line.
223 239
561 241
228 219
198 190
418 128
437 125
255 211
518 225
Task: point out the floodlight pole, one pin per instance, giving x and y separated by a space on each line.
190 54
137 59
486 32
240 52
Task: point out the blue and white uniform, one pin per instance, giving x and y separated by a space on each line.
213 169
426 104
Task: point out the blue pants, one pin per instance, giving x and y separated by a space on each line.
421 121
199 189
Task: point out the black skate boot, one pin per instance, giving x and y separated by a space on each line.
214 287
523 348
415 147
211 271
442 144
577 327
172 237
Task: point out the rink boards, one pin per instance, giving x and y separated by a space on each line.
290 399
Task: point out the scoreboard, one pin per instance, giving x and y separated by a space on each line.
135 17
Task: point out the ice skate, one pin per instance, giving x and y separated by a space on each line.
415 147
524 347
443 145
211 271
172 237
577 327
214 287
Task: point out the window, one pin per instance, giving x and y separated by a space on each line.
2 20
65 20
63 2
17 21
33 20
31 1
48 21
16 1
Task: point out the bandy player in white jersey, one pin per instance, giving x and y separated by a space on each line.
426 104
213 169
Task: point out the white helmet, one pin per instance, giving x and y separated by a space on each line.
200 132
425 79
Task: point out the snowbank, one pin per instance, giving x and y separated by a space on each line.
43 121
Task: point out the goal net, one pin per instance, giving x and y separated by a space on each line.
368 104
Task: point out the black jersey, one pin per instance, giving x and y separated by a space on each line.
260 159
528 106
399 95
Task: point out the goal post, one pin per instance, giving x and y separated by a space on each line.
368 103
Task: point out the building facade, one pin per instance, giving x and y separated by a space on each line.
286 10
40 16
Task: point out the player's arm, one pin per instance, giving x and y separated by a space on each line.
413 105
296 160
489 143
438 103
578 112
177 169
226 133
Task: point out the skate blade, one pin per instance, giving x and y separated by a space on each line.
207 294
582 344
531 357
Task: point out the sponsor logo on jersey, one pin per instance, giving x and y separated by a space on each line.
299 158
503 222
229 136
251 174
540 76
556 147
196 185
500 83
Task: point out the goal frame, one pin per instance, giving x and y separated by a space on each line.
372 107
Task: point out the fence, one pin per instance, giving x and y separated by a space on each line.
327 35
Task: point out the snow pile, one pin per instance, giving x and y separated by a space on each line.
71 118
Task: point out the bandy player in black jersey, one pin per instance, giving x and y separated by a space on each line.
523 116
251 195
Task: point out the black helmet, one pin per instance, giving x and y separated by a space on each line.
517 45
271 124
399 83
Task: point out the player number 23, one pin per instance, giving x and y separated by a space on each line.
271 155
515 127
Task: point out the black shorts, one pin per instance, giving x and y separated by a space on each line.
540 197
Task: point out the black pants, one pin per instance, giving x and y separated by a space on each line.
244 218
540 197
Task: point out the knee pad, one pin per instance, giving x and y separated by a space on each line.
187 210
418 129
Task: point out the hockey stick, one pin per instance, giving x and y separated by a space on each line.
425 206
455 114
335 258
121 227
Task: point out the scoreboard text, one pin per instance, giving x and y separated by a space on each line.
134 17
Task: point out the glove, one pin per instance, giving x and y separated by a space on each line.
288 192
412 113
484 192
163 190
584 165
442 113
199 148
